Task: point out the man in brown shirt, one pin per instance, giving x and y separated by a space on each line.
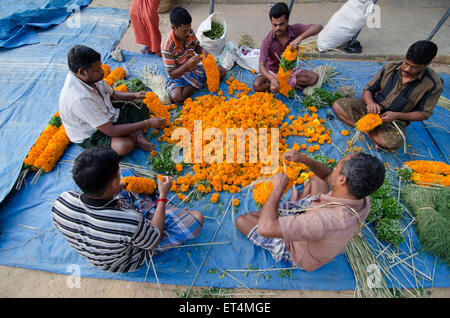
400 93
330 219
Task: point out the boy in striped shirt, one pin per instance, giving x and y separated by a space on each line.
109 228
181 57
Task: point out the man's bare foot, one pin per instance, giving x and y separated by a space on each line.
143 143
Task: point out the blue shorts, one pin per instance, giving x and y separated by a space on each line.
195 78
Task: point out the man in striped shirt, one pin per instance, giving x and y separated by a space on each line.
107 227
400 92
181 57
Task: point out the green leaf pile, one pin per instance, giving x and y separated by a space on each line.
321 98
385 213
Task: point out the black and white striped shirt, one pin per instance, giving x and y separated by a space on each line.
110 238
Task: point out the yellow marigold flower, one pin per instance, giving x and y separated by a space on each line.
344 132
236 202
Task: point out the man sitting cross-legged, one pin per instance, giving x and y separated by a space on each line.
335 203
401 92
87 113
181 55
273 45
111 228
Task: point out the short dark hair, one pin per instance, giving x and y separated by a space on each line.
364 173
422 52
81 56
94 169
180 16
278 10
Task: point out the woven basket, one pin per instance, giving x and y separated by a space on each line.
164 6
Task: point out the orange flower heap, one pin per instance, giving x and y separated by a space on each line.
155 106
368 122
139 185
212 72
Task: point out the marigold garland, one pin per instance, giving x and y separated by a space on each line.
429 172
42 141
107 69
139 185
117 74
212 72
155 107
54 150
285 70
368 122
39 145
121 88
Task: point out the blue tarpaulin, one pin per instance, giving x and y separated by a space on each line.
20 20
29 240
33 75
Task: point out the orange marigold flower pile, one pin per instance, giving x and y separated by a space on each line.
117 74
235 85
368 122
155 106
139 185
262 191
259 110
212 72
429 172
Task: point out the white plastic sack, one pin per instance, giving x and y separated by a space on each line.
228 56
344 24
248 58
214 47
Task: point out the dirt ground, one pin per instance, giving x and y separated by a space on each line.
22 283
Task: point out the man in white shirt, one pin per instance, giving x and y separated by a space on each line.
87 112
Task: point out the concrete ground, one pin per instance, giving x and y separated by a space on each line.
402 23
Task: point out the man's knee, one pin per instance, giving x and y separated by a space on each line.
176 96
123 145
198 215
